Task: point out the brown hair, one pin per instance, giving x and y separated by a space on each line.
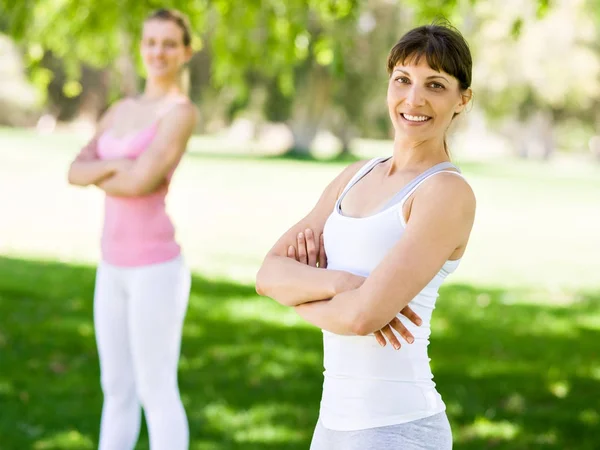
174 16
443 46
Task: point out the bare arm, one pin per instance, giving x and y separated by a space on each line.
304 246
415 259
290 282
92 171
87 169
150 170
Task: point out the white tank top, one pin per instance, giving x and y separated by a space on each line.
366 385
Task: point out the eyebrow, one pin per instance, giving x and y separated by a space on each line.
429 78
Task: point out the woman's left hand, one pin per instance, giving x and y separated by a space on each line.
308 252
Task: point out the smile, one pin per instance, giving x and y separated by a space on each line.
415 118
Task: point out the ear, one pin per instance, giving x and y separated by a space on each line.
465 98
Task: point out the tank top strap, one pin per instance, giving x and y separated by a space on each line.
162 111
364 170
166 109
408 193
412 185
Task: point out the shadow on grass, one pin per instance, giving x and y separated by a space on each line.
513 375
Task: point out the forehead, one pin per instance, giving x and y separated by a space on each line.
159 28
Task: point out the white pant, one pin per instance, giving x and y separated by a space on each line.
138 317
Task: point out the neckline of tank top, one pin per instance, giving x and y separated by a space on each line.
390 204
153 124
130 134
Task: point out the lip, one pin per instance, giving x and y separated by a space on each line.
412 123
158 66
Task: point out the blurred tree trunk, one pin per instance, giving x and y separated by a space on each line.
546 134
535 137
94 94
345 136
311 100
128 78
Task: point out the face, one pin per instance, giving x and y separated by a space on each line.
422 101
163 51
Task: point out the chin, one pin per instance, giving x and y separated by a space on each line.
160 74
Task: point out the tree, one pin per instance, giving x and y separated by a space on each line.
315 51
536 64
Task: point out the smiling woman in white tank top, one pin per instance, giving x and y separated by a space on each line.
388 231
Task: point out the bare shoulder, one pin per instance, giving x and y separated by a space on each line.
183 115
109 116
449 189
185 109
334 189
346 175
353 168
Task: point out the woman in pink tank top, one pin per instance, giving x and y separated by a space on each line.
142 283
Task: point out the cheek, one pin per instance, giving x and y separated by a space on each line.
392 96
175 54
443 106
146 53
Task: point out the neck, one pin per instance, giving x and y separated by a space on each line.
417 155
157 88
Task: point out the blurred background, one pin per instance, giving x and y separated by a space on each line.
289 93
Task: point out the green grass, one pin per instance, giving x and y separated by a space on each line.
514 346
515 374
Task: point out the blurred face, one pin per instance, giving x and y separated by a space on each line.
422 101
163 51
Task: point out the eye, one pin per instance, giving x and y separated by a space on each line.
402 80
437 86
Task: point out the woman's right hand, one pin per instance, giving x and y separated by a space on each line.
309 253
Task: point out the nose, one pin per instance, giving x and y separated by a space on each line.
414 96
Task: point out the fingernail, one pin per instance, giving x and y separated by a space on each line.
411 340
308 231
382 344
419 322
300 235
396 346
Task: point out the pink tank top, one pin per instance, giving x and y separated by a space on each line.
137 231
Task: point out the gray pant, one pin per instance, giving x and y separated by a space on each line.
430 433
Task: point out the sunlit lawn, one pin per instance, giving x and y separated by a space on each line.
515 342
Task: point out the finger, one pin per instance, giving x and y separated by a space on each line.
411 315
379 338
302 257
311 247
397 325
322 255
291 253
391 337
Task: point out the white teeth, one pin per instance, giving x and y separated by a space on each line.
415 118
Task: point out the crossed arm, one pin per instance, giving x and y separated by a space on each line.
440 222
87 169
147 173
311 253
